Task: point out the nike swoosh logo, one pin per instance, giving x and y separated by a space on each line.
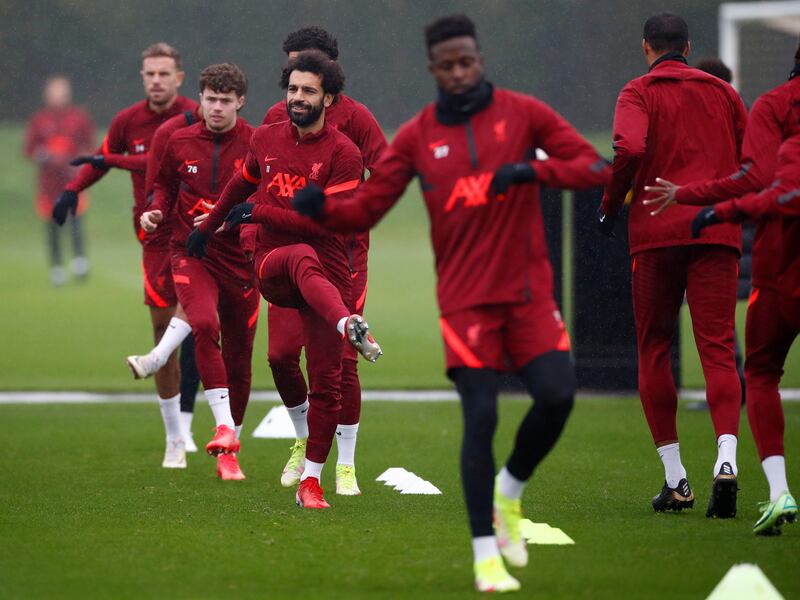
338 433
268 159
191 162
302 412
223 397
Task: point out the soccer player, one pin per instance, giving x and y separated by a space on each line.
54 135
126 147
686 124
216 293
178 333
779 202
299 264
472 150
772 120
285 325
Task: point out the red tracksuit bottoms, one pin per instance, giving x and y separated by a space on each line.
773 322
707 275
215 305
292 277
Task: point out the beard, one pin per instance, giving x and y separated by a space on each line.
304 120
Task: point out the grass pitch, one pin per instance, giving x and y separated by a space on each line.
88 511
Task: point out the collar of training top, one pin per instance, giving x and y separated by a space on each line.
454 109
796 71
669 56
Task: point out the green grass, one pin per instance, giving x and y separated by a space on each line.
76 337
88 512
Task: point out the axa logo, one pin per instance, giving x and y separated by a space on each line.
473 190
286 184
201 207
138 146
315 170
439 148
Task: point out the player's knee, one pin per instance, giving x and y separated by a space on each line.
204 328
478 391
551 381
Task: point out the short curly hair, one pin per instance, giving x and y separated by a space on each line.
312 38
223 78
451 26
314 61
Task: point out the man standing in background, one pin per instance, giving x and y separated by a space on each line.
54 135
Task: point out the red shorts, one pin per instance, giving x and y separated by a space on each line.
159 289
502 336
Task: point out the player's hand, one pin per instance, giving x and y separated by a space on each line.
241 213
203 216
664 195
310 201
196 243
705 218
98 161
66 203
150 220
605 223
511 173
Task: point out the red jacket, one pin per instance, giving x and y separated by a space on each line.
355 121
779 202
278 163
772 120
52 139
489 249
196 166
681 124
125 147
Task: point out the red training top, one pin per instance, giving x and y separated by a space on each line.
772 120
280 162
196 166
681 124
355 121
125 147
489 249
780 202
52 139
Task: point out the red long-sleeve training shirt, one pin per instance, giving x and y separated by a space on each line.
489 249
355 121
772 120
779 203
681 124
196 166
53 138
280 162
125 147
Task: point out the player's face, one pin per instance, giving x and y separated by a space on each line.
305 98
456 64
57 93
219 109
161 79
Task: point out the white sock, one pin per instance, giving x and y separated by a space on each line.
484 547
346 436
726 452
170 414
312 469
673 468
186 424
299 416
238 429
176 332
340 325
220 403
509 486
775 470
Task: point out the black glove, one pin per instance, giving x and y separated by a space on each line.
241 213
66 203
310 201
511 173
705 218
605 223
196 243
98 161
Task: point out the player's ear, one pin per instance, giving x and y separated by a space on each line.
239 103
688 48
179 76
327 100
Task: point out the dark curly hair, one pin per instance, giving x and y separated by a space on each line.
666 32
312 38
223 78
313 61
448 27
